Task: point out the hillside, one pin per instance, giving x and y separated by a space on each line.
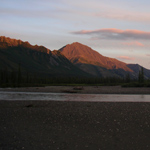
72 60
136 68
78 53
34 59
94 63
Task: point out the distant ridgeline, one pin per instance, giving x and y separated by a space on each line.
21 62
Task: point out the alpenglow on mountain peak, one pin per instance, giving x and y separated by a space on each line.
78 53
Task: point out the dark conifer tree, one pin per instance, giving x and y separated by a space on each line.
127 78
19 75
141 75
13 78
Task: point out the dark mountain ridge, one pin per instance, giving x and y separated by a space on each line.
136 68
6 42
71 60
35 59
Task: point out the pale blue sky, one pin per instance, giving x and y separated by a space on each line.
118 29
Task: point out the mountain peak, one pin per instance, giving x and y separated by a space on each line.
78 53
9 42
77 43
76 49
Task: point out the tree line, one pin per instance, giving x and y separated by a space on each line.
26 79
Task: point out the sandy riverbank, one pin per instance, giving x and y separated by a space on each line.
83 89
48 125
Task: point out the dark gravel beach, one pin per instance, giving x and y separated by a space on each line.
43 125
82 89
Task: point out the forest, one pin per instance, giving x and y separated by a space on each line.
27 79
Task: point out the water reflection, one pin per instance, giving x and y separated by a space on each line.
73 97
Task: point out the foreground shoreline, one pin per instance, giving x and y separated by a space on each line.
82 89
36 125
63 125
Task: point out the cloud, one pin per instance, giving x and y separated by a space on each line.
134 43
123 15
46 13
110 10
116 34
126 58
76 11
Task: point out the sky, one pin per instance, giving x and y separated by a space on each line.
118 29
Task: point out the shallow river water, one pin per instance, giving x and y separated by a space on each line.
73 97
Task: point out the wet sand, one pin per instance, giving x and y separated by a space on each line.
49 125
83 89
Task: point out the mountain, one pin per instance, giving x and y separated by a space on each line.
72 60
6 42
35 59
136 68
78 53
94 63
98 65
